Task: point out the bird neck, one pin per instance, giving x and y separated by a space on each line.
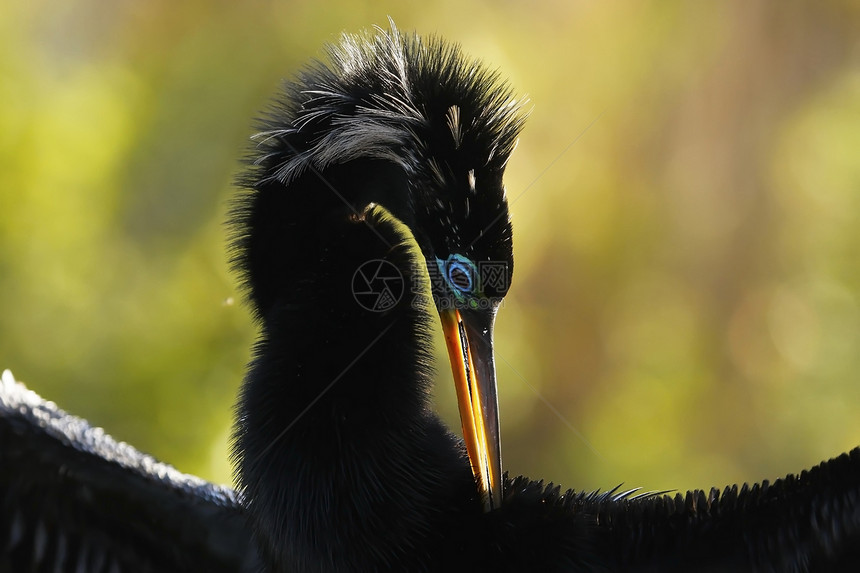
281 230
337 451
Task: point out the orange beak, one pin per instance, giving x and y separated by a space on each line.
469 338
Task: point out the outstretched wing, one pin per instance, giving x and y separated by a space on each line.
74 499
805 522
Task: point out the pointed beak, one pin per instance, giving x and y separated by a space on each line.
469 338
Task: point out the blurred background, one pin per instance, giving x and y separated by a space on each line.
685 196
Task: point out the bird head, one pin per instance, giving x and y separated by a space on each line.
462 224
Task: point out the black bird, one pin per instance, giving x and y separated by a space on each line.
373 196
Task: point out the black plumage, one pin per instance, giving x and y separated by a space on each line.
388 476
74 499
392 154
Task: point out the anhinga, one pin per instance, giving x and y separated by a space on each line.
374 195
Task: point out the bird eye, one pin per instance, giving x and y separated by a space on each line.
459 277
459 272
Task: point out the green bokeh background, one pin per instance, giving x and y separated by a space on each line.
685 199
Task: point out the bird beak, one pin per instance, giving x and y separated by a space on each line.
469 337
